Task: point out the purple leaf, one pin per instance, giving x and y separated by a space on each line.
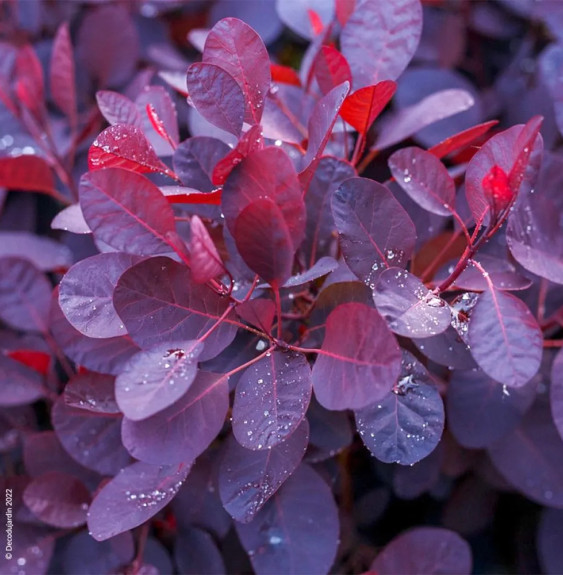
91 438
159 119
86 294
501 151
271 399
284 537
258 312
407 424
58 499
155 379
205 262
266 174
320 125
103 355
196 553
410 309
328 176
118 109
380 38
182 309
556 392
110 57
550 552
92 391
84 555
425 179
433 108
62 82
551 64
505 338
330 69
217 96
195 159
428 550
44 253
133 496
72 220
19 385
25 295
481 410
126 211
264 241
359 361
531 457
185 429
376 233
126 147
321 268
236 48
247 479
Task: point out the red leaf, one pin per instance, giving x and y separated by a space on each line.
361 108
249 142
205 262
29 82
125 146
459 141
284 75
497 189
182 195
344 9
37 360
316 22
62 79
27 173
523 148
158 125
330 68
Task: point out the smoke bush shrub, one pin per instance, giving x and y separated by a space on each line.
285 298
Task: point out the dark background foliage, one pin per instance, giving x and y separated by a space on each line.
283 296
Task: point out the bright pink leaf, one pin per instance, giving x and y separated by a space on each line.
359 361
361 108
125 146
380 38
461 140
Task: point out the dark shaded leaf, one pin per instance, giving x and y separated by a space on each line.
185 429
284 536
19 385
550 552
556 392
409 308
359 361
271 399
217 96
58 499
247 479
376 233
505 338
91 438
407 424
196 553
126 211
428 550
380 38
481 410
133 496
258 312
